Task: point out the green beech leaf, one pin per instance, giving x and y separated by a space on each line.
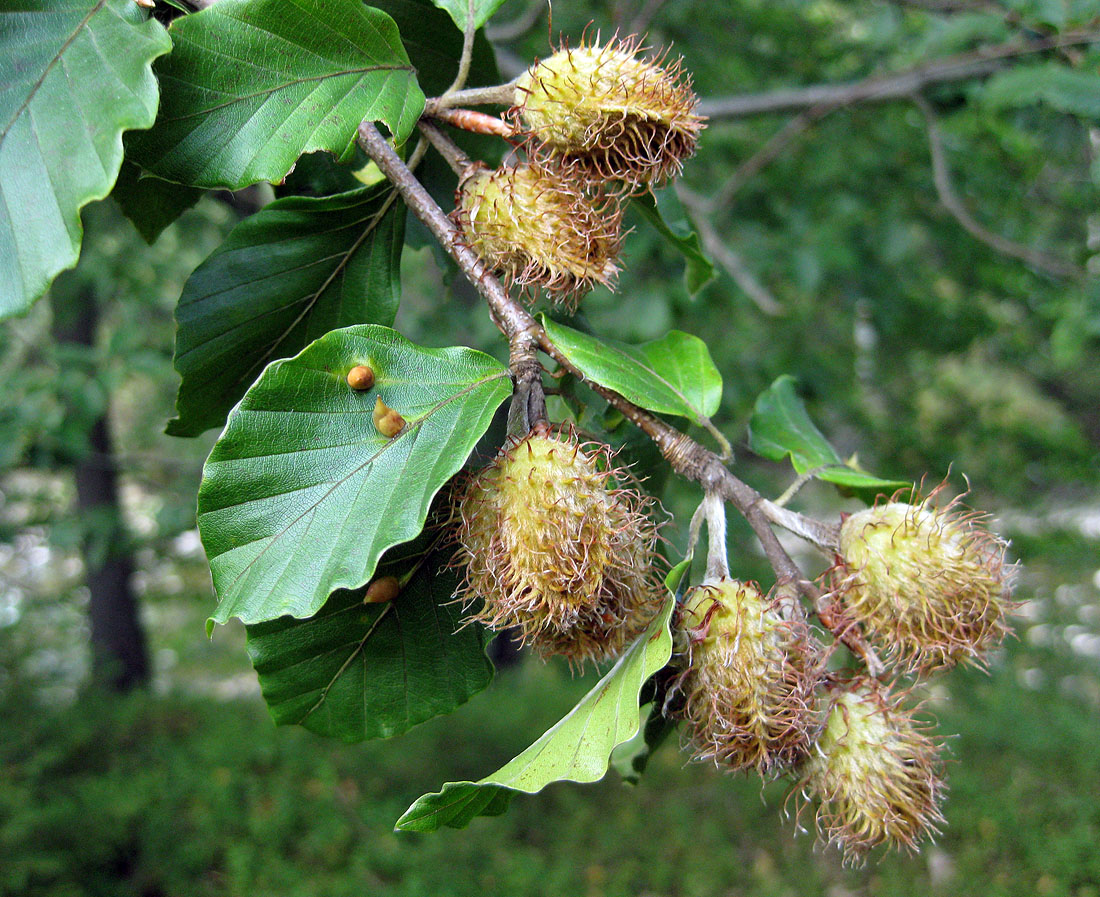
459 10
253 84
356 671
781 427
75 75
671 375
150 203
631 758
666 215
301 494
284 277
1075 91
576 749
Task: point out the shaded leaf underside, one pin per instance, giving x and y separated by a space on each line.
74 76
284 277
251 85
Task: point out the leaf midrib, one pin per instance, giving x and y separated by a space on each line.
49 67
315 297
284 86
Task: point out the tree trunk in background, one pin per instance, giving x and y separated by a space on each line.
118 642
119 659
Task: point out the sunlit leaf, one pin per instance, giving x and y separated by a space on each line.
578 748
302 495
460 10
672 375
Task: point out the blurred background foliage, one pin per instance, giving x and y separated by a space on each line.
920 347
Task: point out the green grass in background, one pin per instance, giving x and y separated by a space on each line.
169 796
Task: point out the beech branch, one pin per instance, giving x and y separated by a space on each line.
687 457
467 56
889 88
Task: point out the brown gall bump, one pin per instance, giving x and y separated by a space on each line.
387 421
382 590
361 378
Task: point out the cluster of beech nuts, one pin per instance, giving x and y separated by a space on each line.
925 585
596 122
555 546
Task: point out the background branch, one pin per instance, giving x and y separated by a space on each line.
645 16
887 88
768 153
519 26
951 201
731 261
948 7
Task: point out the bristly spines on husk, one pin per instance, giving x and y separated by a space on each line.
877 776
749 683
551 547
929 586
608 115
537 228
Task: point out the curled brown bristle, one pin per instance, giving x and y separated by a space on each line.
876 774
749 684
607 115
536 228
550 549
929 585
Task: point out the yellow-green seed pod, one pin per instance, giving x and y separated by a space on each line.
928 585
608 114
535 228
876 775
548 547
749 685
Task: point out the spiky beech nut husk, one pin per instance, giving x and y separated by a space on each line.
876 774
609 115
551 548
749 684
536 228
929 585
